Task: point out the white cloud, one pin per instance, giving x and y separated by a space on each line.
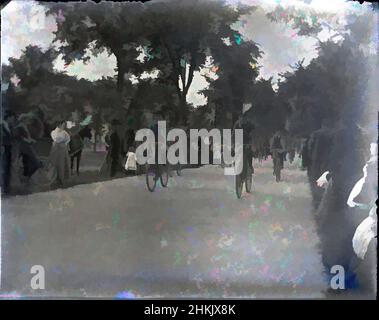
24 23
198 83
94 69
146 75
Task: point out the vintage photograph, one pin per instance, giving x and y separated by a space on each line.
197 149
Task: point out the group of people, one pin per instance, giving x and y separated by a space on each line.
120 147
342 172
344 196
17 144
20 162
280 146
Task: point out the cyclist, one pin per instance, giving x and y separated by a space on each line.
277 149
154 128
176 167
157 135
247 127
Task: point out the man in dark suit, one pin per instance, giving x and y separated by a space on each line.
114 148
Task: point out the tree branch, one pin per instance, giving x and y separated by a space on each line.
175 67
191 74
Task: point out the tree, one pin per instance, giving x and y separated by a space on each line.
181 34
306 23
236 69
111 26
155 96
40 85
266 113
33 66
338 86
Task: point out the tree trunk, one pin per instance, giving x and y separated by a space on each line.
120 74
182 109
217 115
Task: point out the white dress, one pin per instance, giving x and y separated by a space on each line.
131 162
60 136
59 156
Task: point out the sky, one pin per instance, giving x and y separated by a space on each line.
24 23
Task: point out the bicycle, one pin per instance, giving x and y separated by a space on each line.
176 167
179 169
155 172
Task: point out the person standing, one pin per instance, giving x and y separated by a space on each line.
247 137
23 148
59 155
319 149
114 151
129 140
277 148
131 160
105 138
105 132
29 157
291 149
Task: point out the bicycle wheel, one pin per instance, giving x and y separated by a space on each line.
249 180
239 185
151 177
179 170
164 175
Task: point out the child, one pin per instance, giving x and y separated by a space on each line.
131 160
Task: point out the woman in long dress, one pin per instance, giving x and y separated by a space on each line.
105 168
59 155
